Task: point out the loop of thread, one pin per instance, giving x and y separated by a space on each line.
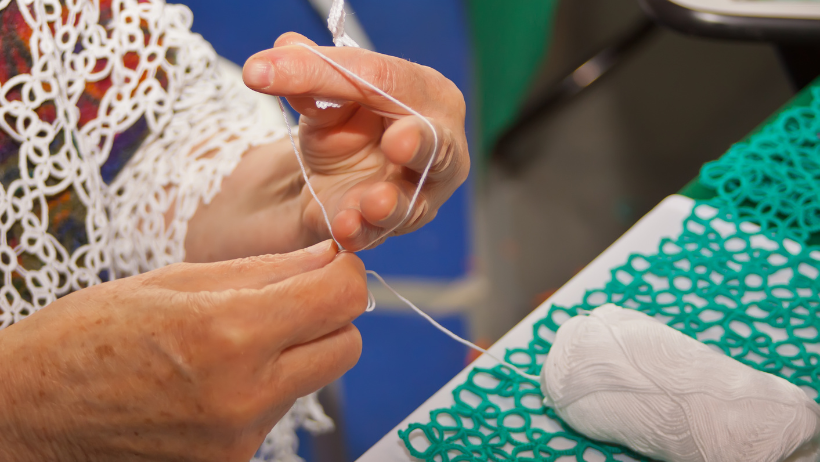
304 173
407 108
371 303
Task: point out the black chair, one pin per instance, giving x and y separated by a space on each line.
792 27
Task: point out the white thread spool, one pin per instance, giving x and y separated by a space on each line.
622 377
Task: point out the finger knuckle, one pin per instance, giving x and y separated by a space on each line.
160 276
422 214
231 338
454 160
446 90
464 170
241 266
459 104
300 77
447 150
234 411
237 414
285 38
384 74
350 347
354 292
228 334
179 267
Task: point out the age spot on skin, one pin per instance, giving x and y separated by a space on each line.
104 351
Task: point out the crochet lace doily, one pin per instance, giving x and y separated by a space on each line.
741 277
199 124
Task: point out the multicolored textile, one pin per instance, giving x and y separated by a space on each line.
66 213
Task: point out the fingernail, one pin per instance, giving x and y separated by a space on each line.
258 74
319 248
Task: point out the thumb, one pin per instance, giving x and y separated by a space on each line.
259 73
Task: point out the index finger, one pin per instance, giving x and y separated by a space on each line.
295 71
310 305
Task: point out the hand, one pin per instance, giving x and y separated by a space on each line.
364 158
188 362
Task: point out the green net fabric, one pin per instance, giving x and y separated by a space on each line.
740 277
773 178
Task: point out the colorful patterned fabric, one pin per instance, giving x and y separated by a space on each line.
66 213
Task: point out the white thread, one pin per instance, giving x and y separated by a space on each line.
326 103
620 376
336 25
371 300
406 108
450 334
305 174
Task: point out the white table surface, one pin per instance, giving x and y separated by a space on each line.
665 220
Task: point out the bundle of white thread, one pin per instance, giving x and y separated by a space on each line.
336 26
622 377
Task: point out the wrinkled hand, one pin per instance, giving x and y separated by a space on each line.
188 362
364 158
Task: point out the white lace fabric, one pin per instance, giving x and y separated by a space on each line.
199 125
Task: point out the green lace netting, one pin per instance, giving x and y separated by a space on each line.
740 277
773 178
